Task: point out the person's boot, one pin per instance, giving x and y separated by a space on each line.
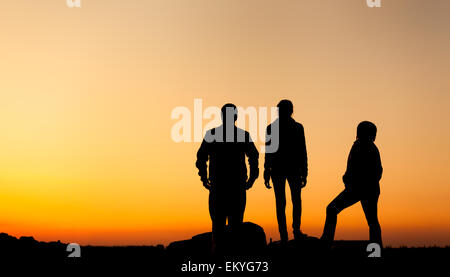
325 243
284 237
298 235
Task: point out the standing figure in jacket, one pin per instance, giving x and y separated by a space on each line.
289 162
225 147
362 184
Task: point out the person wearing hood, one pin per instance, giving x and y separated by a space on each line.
362 184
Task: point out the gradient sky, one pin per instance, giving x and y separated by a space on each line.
86 95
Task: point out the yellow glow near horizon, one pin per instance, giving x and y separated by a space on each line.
86 96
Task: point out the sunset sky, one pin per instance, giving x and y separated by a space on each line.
86 95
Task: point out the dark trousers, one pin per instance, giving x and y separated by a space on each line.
347 198
225 204
279 186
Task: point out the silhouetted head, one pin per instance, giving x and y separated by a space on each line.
229 111
285 109
366 131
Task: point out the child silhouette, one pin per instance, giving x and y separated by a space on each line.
361 181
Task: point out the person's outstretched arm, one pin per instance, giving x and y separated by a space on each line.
201 163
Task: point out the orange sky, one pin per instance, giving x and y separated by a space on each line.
86 96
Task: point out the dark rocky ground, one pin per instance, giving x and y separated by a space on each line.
307 255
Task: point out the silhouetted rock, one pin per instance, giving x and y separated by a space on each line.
27 249
5 238
247 240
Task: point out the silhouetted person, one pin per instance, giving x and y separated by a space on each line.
289 163
361 181
225 147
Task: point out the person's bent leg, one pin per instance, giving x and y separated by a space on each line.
370 207
279 186
343 200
